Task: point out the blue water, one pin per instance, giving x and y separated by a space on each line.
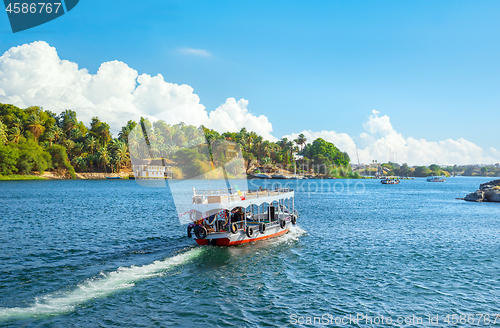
111 253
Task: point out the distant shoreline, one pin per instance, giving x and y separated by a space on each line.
48 176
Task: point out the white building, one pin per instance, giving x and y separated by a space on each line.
153 168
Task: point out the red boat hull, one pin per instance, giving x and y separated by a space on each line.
227 242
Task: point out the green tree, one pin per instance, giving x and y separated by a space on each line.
32 157
15 134
8 159
60 159
79 163
67 120
434 167
125 131
104 157
422 171
120 154
104 134
35 125
404 170
57 132
301 141
3 133
91 144
323 152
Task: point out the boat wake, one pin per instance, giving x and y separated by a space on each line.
97 287
293 235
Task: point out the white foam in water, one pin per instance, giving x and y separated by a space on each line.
97 287
293 234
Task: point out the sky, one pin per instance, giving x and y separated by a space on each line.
414 82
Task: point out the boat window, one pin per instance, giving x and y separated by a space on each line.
248 212
264 207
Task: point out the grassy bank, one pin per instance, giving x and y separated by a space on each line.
20 177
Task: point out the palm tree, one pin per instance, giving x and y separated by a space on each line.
264 149
69 144
91 144
76 134
14 134
104 157
301 141
18 122
49 136
70 124
90 159
104 134
121 154
79 147
3 133
35 125
79 162
125 131
57 132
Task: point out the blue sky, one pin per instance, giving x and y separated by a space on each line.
432 67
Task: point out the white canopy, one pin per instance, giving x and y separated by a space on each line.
230 202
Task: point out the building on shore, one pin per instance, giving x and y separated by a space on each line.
152 168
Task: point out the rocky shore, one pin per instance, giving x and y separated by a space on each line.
488 192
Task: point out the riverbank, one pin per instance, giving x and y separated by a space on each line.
63 176
16 177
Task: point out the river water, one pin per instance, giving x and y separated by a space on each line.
112 253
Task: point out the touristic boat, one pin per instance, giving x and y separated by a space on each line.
436 179
390 180
231 217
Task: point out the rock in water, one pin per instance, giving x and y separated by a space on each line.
488 192
489 185
477 196
492 195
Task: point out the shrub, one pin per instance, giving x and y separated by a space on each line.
32 157
177 173
60 159
8 159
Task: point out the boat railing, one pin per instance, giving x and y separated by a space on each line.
229 195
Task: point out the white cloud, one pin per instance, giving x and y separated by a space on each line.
195 52
34 75
382 142
233 115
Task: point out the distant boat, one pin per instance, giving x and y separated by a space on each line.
433 178
280 176
390 180
113 178
261 176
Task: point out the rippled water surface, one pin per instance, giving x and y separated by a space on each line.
112 253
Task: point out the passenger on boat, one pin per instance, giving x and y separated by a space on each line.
237 216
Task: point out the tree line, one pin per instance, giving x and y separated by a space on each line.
34 139
404 170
